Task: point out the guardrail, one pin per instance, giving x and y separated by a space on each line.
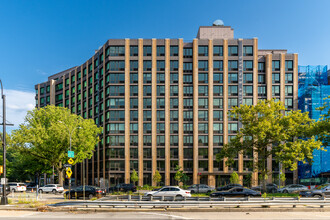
225 202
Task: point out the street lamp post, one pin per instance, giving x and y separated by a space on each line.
4 200
70 135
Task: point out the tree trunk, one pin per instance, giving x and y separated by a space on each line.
60 174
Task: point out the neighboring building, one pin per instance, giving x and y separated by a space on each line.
313 88
165 102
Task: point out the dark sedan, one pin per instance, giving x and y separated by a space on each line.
228 187
236 192
123 187
90 192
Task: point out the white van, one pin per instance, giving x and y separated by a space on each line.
17 187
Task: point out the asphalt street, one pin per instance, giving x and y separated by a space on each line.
11 215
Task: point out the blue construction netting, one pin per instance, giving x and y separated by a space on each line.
313 89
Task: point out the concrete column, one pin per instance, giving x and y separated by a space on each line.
52 92
240 102
140 113
93 115
295 99
195 111
127 111
282 78
254 179
180 96
154 109
167 112
211 177
269 84
225 99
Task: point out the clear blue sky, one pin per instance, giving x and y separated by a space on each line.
40 38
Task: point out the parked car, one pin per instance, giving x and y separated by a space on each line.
270 188
320 191
90 192
53 188
170 191
123 187
236 192
200 188
17 187
293 188
228 187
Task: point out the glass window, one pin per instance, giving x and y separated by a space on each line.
261 90
288 90
232 90
275 78
146 77
160 65
203 140
232 128
203 78
247 90
203 102
288 103
146 50
203 50
187 52
232 50
217 51
247 78
288 78
232 65
217 103
232 78
217 128
276 65
134 51
218 78
247 50
134 78
134 65
117 51
174 66
217 115
261 78
174 51
275 90
232 102
203 115
288 65
203 65
261 67
217 90
248 101
117 65
173 78
218 65
187 67
160 51
147 65
203 90
248 65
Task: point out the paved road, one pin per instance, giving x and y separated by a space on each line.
11 215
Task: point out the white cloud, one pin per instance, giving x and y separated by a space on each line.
18 103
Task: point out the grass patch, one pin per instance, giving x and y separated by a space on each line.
282 194
200 194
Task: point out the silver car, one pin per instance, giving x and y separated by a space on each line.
170 191
293 188
320 191
200 188
51 188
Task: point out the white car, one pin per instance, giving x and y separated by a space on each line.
17 187
170 191
53 188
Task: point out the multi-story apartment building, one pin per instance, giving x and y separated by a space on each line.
165 102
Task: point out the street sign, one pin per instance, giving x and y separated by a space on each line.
71 154
69 172
1 169
4 180
70 161
67 165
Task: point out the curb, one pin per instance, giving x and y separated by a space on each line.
76 209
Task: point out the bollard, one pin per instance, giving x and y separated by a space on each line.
129 198
162 198
140 198
151 198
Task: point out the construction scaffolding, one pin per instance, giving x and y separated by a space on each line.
313 89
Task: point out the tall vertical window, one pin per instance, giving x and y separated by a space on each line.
160 51
288 65
174 51
261 67
275 78
275 90
288 90
288 78
276 65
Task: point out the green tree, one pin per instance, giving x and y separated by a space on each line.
267 131
180 176
45 137
157 177
234 179
134 177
